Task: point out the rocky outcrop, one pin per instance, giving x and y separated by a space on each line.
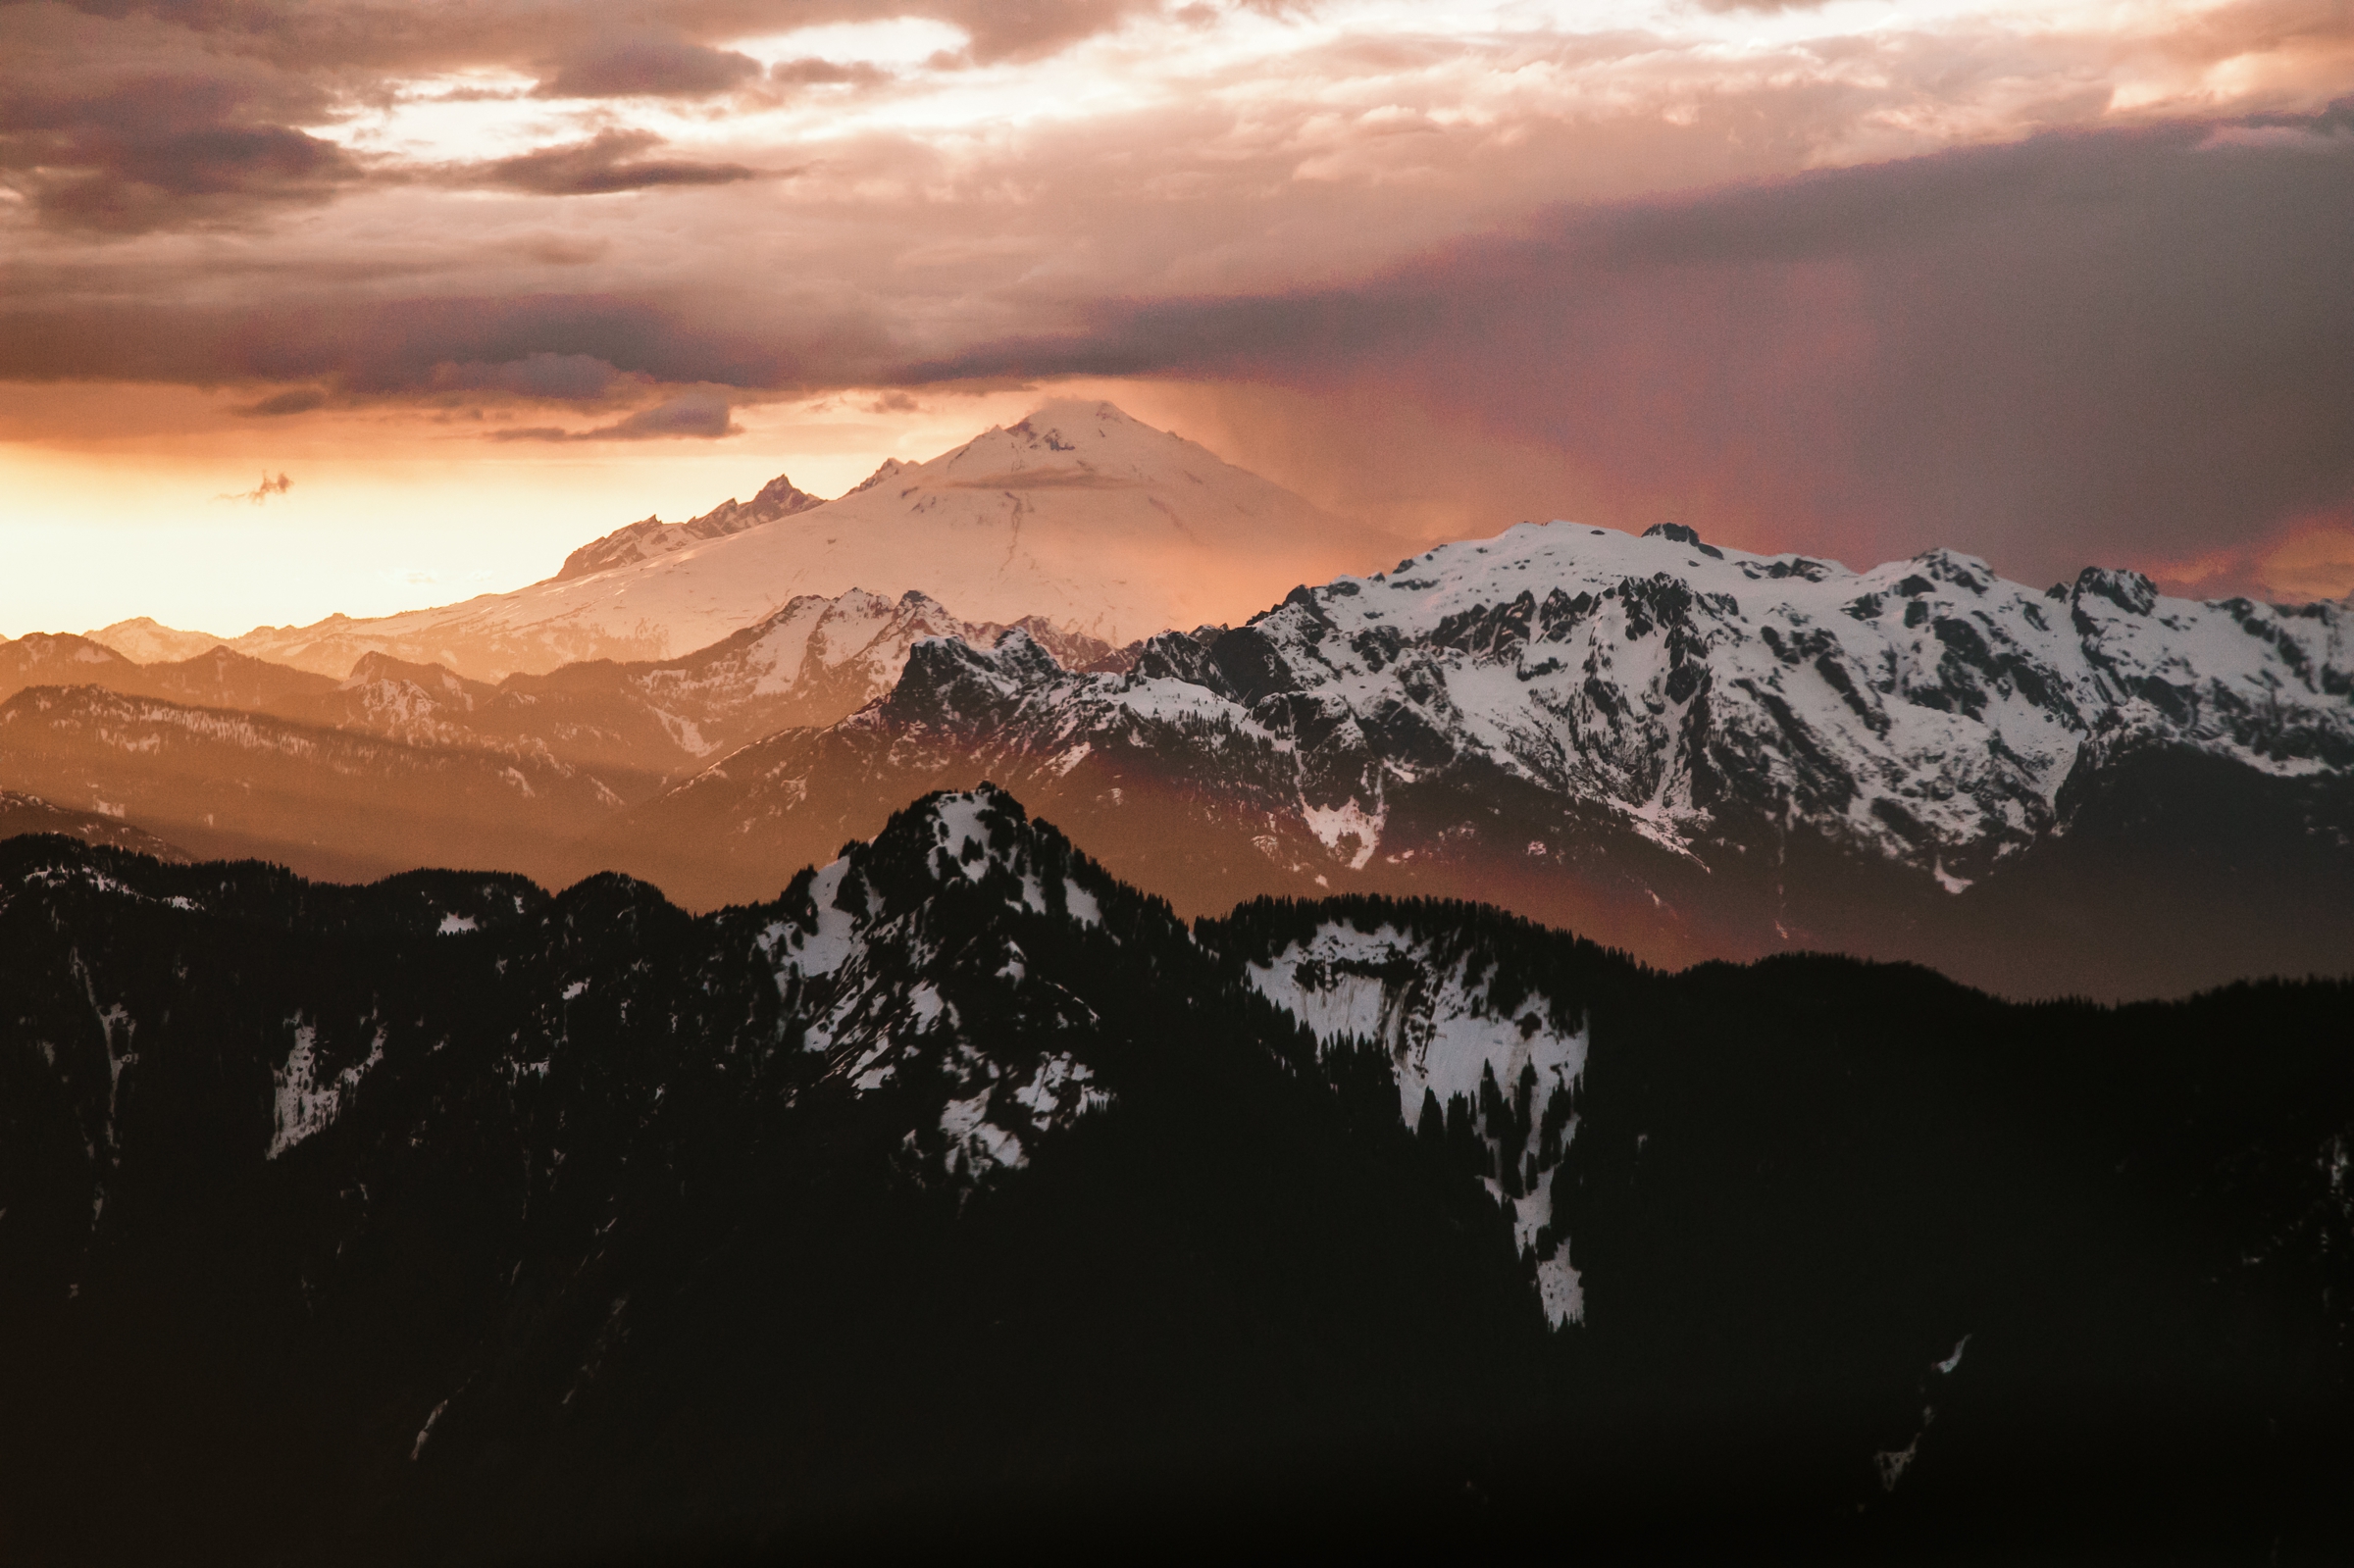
651 537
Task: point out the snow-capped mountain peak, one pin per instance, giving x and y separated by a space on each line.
887 975
1078 515
884 472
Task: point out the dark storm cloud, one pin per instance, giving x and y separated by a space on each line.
565 346
605 163
648 63
701 415
670 41
159 133
2132 342
124 118
295 400
558 377
1026 30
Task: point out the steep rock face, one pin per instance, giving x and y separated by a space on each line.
1691 751
962 1198
780 497
1078 514
1509 1066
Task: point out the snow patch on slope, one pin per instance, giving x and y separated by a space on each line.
1433 1015
306 1099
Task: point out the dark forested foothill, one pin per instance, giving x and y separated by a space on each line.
961 1199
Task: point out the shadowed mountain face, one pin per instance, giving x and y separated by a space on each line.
1688 752
961 1199
224 783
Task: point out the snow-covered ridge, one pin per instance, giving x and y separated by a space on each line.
812 662
1925 708
1432 1013
651 537
1926 712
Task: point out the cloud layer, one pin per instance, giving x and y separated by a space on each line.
2045 281
703 414
2084 346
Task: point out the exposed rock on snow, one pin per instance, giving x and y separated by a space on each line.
1926 712
644 542
878 982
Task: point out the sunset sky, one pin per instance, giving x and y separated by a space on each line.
2051 283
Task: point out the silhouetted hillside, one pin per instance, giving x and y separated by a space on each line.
962 1200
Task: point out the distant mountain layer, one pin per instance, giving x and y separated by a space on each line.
1078 515
608 732
346 804
1690 752
29 813
145 640
961 1202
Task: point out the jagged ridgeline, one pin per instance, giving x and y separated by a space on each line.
965 1198
1693 752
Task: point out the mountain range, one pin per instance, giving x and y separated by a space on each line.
397 766
1686 751
962 1200
1683 750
